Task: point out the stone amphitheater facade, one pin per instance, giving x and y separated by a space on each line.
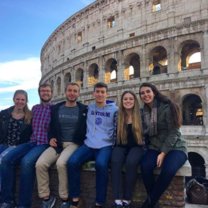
127 42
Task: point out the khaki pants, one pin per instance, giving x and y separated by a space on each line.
49 157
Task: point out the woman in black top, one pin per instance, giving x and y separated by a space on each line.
15 124
129 149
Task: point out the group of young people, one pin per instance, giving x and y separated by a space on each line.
71 134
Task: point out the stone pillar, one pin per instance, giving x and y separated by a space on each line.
204 51
120 66
73 78
86 75
177 57
101 69
171 57
206 170
55 86
144 67
62 83
171 13
52 78
205 110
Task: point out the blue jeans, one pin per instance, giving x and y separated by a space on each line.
173 161
81 156
2 148
27 154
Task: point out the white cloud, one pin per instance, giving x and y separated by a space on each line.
20 74
4 107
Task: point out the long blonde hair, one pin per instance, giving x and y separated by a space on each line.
28 113
136 121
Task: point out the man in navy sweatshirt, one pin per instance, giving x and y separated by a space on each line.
100 137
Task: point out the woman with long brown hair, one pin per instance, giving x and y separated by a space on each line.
166 147
129 149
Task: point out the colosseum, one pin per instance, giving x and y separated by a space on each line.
127 42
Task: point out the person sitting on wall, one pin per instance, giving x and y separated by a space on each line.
166 147
129 149
27 154
15 124
67 132
100 138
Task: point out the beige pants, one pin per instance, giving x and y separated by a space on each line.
44 162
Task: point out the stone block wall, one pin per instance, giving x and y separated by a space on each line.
173 196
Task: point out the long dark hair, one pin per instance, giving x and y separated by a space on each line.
176 116
136 121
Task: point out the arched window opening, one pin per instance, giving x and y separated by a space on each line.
190 56
197 165
80 76
52 85
159 60
58 86
93 75
192 110
67 78
132 69
111 71
135 63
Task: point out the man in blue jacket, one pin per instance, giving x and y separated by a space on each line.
67 132
100 137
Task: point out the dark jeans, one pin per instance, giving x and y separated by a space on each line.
173 161
132 160
4 150
26 154
81 156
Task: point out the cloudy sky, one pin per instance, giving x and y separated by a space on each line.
25 26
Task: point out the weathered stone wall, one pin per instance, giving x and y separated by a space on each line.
174 196
178 30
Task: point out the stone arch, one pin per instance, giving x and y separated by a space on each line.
79 76
187 49
197 164
192 110
110 67
67 78
58 86
93 74
158 60
132 60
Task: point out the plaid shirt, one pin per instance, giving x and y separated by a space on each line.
40 123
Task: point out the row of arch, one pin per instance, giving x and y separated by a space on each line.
192 109
158 63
